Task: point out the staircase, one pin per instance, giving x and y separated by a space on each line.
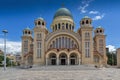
62 68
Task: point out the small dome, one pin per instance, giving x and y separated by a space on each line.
99 26
27 28
40 18
63 12
86 17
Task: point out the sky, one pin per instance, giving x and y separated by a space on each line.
16 15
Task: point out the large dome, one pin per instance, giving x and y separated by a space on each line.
63 12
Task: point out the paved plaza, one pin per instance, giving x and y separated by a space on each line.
60 73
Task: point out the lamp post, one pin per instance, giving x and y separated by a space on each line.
5 31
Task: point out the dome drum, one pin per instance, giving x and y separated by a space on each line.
63 20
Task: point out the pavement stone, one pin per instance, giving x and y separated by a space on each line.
60 73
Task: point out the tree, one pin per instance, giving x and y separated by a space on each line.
112 58
2 59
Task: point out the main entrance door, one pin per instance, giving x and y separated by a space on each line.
63 61
72 61
63 58
53 62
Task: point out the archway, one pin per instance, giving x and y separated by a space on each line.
52 58
63 59
73 59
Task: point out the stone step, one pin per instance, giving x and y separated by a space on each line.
62 68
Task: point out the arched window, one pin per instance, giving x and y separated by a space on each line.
25 32
62 26
87 49
25 46
29 32
72 44
82 22
100 31
59 42
63 42
55 26
59 26
39 49
66 25
53 44
86 21
69 43
97 31
56 43
43 23
38 36
39 23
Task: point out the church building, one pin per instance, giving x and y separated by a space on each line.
63 45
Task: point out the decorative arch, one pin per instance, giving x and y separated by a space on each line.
76 52
49 52
52 58
63 58
53 37
74 57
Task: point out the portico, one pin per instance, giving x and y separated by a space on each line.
63 58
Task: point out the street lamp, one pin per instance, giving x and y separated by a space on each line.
5 31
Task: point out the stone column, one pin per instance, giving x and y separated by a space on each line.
68 61
57 60
79 61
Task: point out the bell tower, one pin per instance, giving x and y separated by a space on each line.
85 32
26 42
40 32
100 43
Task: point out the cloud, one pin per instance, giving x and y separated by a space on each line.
82 8
111 48
11 46
85 4
98 17
93 12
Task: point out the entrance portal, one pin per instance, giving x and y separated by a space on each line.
72 61
53 62
63 58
